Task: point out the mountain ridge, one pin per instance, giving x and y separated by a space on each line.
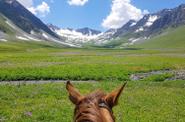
27 26
22 17
150 25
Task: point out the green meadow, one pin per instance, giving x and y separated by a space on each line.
149 100
140 102
170 38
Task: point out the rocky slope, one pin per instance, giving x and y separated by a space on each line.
151 25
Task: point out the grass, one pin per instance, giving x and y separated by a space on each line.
159 77
5 27
142 101
171 38
31 61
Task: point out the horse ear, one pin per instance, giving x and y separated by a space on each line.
112 98
74 94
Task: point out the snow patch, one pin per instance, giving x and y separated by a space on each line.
11 24
133 24
45 35
22 38
151 20
31 38
139 30
32 32
134 40
3 40
64 43
59 41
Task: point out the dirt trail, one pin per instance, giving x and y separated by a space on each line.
177 74
42 82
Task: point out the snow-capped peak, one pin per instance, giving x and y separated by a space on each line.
151 20
79 35
73 34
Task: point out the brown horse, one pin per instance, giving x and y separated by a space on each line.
94 107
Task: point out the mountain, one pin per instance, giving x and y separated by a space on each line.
16 22
124 28
149 26
156 22
84 31
23 18
88 31
76 36
169 17
172 38
24 25
52 27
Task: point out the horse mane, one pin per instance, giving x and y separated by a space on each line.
88 108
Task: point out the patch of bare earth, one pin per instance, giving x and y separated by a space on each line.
177 74
43 82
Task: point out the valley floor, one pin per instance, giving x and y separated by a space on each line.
151 98
141 101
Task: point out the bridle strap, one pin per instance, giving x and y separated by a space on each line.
104 105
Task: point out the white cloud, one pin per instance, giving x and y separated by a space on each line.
32 10
77 2
26 3
40 10
121 12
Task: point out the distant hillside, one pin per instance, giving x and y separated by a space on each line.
23 18
18 23
78 37
154 23
88 31
149 28
171 38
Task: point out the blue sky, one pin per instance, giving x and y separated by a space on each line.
94 13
